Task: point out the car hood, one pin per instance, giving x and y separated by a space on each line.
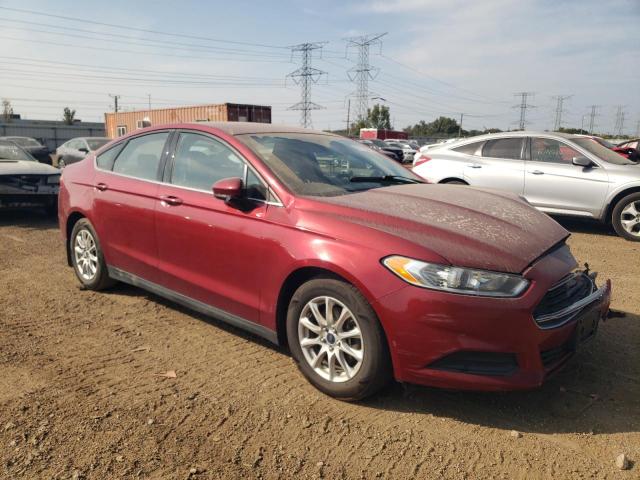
469 227
25 167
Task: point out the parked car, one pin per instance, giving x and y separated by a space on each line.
629 149
34 147
407 150
423 149
315 241
77 148
557 173
395 153
630 153
24 182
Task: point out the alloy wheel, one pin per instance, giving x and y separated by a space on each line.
630 218
86 254
331 339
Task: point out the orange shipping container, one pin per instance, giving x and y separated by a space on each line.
121 123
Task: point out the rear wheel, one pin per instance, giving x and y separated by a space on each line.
455 182
626 217
336 339
87 258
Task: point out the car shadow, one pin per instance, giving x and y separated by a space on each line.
585 225
597 392
35 218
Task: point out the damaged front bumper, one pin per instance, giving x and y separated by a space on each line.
17 191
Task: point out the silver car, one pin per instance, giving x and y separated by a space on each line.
557 173
77 148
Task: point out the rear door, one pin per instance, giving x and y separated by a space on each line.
498 165
209 250
126 187
555 185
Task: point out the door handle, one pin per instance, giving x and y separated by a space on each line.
537 172
102 187
474 165
171 200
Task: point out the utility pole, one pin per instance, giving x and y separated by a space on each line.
115 102
592 117
557 124
460 126
582 124
363 71
523 107
305 76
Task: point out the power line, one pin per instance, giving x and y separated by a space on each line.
523 107
362 73
305 76
129 28
557 124
619 126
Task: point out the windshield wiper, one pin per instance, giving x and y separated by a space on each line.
385 179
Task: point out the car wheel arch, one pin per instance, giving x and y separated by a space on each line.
298 277
72 219
607 218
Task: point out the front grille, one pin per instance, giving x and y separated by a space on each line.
478 363
553 356
571 289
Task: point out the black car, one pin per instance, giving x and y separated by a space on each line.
33 147
390 151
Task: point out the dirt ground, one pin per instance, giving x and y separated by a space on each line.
80 398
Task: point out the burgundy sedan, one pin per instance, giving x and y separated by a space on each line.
317 242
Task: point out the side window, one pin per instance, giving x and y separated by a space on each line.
549 150
469 149
141 156
105 159
254 187
510 148
201 161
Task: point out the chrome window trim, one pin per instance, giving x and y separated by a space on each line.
246 163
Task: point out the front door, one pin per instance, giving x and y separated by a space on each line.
554 184
500 166
209 250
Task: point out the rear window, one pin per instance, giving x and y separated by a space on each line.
510 148
96 143
469 149
141 156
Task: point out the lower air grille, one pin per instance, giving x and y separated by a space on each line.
478 363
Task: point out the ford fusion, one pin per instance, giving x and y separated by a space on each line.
320 243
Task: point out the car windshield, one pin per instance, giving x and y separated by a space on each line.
96 143
10 152
25 142
600 151
325 165
603 142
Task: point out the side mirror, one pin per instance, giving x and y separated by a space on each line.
83 150
582 162
228 189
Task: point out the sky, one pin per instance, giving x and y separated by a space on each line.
436 58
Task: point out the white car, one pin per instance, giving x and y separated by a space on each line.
557 173
407 150
430 146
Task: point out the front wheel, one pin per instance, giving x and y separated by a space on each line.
337 340
626 217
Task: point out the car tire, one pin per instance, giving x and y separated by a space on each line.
625 217
87 257
351 353
455 182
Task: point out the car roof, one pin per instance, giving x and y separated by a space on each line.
517 133
242 128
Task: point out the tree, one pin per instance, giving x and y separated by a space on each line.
378 117
7 110
68 116
442 126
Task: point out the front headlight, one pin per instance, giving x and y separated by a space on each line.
53 179
455 279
